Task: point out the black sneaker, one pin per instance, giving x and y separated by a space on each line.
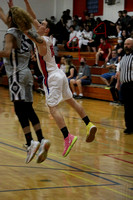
95 65
128 131
74 95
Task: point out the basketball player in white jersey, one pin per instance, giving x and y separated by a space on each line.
56 83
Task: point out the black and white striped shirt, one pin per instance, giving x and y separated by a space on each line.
126 68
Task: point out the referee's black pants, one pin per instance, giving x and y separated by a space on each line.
127 94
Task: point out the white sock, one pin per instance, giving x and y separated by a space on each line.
81 95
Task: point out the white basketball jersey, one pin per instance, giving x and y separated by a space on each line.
47 63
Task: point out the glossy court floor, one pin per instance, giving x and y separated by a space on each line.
101 170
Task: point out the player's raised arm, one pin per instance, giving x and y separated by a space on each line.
3 16
33 15
38 40
10 3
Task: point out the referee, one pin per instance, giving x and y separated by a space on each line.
125 77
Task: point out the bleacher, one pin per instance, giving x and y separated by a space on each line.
97 89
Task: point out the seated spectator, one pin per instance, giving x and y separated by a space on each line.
72 42
71 71
111 65
79 35
131 34
124 35
62 64
83 78
93 43
76 25
119 31
120 47
104 52
87 36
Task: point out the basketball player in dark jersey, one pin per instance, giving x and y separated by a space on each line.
16 55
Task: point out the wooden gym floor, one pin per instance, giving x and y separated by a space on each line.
101 170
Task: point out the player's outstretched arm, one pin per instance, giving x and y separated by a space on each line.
10 3
38 40
3 16
33 15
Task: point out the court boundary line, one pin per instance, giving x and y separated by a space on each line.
108 188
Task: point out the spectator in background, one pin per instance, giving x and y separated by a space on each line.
68 18
61 32
62 64
67 67
87 36
73 33
53 19
131 34
111 65
119 31
119 23
83 78
130 25
99 29
93 21
119 20
110 28
125 20
71 71
77 19
88 20
120 47
124 35
104 52
79 35
76 25
92 44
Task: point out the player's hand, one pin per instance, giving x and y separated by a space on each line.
10 3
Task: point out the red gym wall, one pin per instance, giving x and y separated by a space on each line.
79 6
129 5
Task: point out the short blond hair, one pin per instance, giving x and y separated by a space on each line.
21 18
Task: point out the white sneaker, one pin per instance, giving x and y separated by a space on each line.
31 150
43 150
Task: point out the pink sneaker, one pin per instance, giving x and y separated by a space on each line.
69 142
